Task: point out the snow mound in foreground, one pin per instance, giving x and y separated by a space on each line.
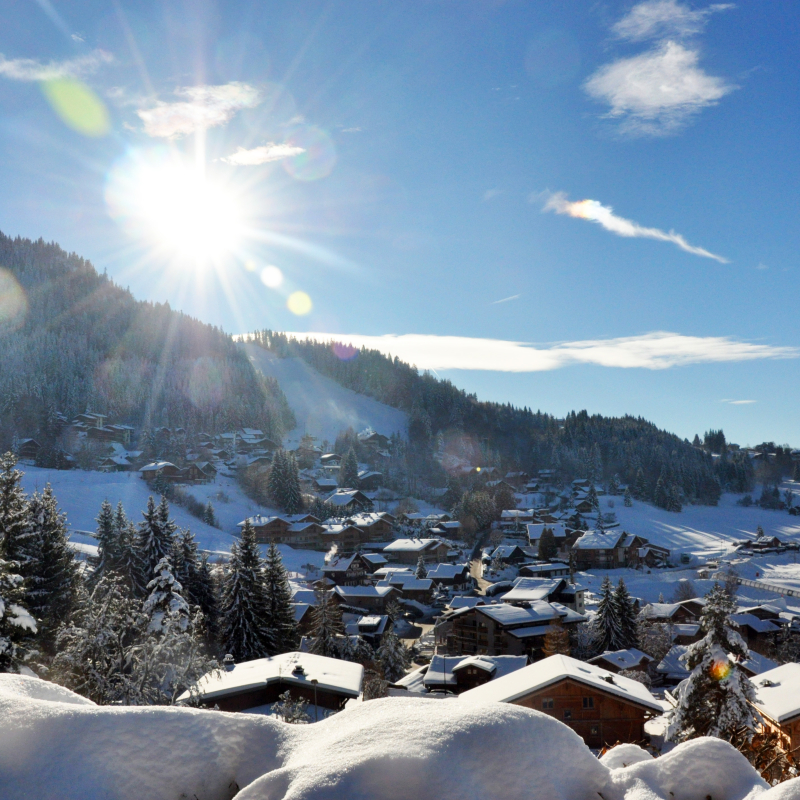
54 747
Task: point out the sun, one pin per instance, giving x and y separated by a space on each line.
176 206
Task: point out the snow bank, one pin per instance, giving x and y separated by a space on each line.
52 745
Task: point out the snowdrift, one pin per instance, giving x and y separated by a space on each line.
54 744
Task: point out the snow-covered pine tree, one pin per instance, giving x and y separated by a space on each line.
204 593
129 565
165 600
185 563
108 550
358 650
14 531
326 626
626 617
716 699
394 657
421 571
278 597
593 499
153 541
209 517
660 494
348 472
640 487
627 499
606 622
547 545
276 478
244 632
51 572
16 623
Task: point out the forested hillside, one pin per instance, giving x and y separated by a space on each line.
447 426
72 341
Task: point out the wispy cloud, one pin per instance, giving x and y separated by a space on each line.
658 19
594 211
490 194
263 155
762 266
505 299
29 69
201 107
657 350
658 91
739 402
351 130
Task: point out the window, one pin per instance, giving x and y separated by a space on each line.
547 702
595 730
588 702
567 713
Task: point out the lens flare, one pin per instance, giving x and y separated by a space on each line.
78 106
344 352
13 303
271 276
721 669
174 204
318 157
299 303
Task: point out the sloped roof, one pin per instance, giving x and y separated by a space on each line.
778 692
594 540
623 659
526 589
554 669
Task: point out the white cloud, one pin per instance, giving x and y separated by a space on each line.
762 266
505 299
29 69
657 350
594 211
77 37
656 92
351 130
490 194
203 107
263 155
658 19
739 402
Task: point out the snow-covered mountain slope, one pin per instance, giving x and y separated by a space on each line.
321 406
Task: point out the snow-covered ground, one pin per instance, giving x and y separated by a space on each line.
55 745
321 406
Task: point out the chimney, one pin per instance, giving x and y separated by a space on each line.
228 662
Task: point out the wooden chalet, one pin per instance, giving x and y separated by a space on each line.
623 660
369 599
346 538
352 571
613 550
267 529
28 449
778 700
601 707
378 525
350 500
408 551
165 470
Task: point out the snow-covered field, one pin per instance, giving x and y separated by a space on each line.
54 744
321 406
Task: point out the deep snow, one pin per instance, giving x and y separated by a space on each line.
382 750
321 406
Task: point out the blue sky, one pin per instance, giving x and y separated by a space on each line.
525 197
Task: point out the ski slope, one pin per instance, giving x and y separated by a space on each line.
321 406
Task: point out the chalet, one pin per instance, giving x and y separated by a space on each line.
370 628
368 480
324 484
450 575
254 685
304 535
353 571
376 524
330 460
413 588
375 441
408 551
559 531
503 629
456 675
758 634
90 420
162 469
513 518
668 613
116 464
509 554
601 707
778 700
598 550
350 500
621 660
267 529
584 506
303 618
347 538
370 599
208 470
500 484
553 590
28 449
517 479
544 569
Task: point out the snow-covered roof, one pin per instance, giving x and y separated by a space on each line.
332 673
778 692
660 610
535 529
466 602
442 669
526 589
671 665
410 545
363 591
446 571
554 669
594 540
623 659
754 623
757 663
300 610
259 521
408 582
549 566
157 465
537 611
305 596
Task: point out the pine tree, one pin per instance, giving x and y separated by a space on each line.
640 487
243 629
660 495
593 499
556 640
326 626
204 594
13 512
626 616
292 498
153 541
108 549
421 572
165 600
185 564
606 621
628 500
276 478
129 564
547 545
394 657
279 611
51 573
209 517
16 623
716 698
348 472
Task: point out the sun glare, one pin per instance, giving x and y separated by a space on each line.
176 206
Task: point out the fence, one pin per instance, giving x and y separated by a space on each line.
770 587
